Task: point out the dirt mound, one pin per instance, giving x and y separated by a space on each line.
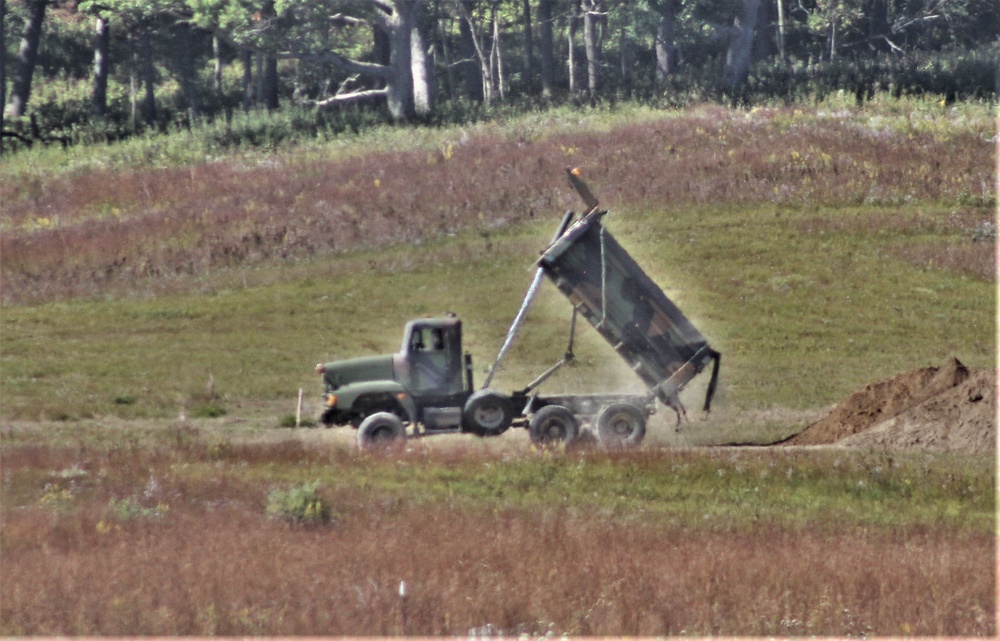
941 408
962 419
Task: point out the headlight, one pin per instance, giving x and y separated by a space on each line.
331 400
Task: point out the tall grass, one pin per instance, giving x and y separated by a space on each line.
580 543
118 231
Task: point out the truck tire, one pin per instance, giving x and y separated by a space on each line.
380 429
553 424
621 425
487 413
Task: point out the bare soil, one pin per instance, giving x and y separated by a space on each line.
947 408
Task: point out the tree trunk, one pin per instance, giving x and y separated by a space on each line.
486 65
186 72
99 101
3 67
833 39
496 59
133 87
270 83
592 46
399 89
246 58
878 24
666 48
471 73
781 30
20 90
529 46
571 46
740 47
148 74
422 64
625 58
217 63
546 47
447 59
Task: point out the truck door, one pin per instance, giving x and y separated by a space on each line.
435 360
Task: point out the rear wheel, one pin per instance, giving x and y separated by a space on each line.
621 425
487 413
380 429
553 424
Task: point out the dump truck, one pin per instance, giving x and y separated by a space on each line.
427 387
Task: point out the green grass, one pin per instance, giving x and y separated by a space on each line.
716 490
802 318
807 300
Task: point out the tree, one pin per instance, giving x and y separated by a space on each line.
592 38
740 47
664 46
407 77
102 64
27 53
529 45
546 47
3 66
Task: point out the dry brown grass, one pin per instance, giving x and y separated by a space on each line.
225 570
206 560
120 232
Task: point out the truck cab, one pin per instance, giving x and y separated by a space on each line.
426 385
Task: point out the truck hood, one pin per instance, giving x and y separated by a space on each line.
356 370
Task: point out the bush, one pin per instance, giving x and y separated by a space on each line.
127 509
288 420
299 504
208 410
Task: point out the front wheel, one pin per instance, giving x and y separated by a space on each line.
621 425
553 424
380 429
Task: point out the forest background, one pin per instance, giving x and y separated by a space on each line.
102 70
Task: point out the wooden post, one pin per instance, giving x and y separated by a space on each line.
298 410
403 610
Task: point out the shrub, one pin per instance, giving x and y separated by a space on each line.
288 420
208 410
984 231
299 504
127 509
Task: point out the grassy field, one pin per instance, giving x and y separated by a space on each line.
819 249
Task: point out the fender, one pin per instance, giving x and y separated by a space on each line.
349 395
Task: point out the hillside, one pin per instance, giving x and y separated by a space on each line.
228 277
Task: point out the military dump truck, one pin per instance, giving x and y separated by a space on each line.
427 387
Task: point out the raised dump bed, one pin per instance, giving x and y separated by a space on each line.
608 288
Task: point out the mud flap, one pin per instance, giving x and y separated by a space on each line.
710 392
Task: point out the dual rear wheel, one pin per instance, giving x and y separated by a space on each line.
618 425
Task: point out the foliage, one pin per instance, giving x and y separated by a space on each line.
917 47
299 504
208 410
127 509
